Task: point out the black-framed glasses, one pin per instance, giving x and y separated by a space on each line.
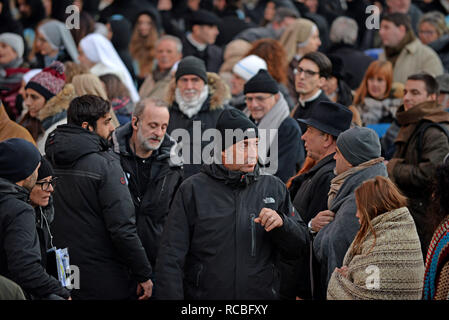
45 185
307 73
259 99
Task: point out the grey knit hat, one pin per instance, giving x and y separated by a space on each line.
358 145
14 41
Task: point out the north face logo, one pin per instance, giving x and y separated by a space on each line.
269 200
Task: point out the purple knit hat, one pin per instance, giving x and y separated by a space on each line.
50 81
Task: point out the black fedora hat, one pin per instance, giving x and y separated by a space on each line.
329 117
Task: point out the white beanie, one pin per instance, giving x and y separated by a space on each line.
249 66
14 41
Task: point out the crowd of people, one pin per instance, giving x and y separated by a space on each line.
224 149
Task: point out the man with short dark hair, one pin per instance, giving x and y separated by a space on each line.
153 178
311 75
406 52
97 220
20 254
421 145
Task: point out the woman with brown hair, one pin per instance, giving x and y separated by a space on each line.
384 262
142 45
274 55
118 95
377 97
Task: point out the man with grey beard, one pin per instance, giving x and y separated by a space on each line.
153 176
196 99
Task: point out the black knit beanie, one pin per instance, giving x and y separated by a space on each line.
18 159
191 65
261 82
230 120
45 170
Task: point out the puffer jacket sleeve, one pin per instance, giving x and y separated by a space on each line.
23 253
119 216
173 250
435 146
293 233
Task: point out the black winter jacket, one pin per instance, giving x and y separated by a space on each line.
309 192
211 247
164 178
20 255
208 117
97 219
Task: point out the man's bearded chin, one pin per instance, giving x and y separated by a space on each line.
146 144
192 104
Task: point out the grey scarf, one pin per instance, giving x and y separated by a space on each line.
272 120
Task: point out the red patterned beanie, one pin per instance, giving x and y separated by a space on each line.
50 81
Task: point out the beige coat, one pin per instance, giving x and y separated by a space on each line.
415 58
393 269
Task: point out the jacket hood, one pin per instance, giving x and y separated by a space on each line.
7 188
218 91
58 103
235 179
121 136
68 143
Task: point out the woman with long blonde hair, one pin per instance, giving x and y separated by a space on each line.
384 262
377 97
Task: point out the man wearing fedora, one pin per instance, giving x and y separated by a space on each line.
309 190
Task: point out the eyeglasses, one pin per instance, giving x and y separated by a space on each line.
259 99
426 32
307 73
45 185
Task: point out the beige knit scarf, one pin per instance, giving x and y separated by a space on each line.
338 181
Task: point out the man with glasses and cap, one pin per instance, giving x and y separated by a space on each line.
309 191
268 109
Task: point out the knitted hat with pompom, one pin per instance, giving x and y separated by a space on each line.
50 81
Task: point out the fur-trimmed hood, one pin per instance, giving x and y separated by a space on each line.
58 103
219 91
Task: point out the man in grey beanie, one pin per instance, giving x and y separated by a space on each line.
357 160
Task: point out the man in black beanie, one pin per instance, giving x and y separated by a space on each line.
19 244
214 244
282 150
196 100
